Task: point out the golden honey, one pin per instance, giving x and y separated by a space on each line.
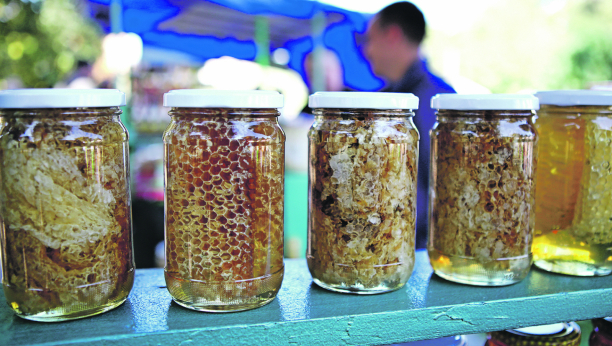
483 165
362 207
573 232
224 207
66 218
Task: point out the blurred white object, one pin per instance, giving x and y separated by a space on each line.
227 73
121 51
296 145
82 83
160 255
281 56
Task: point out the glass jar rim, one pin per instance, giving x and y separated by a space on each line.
485 113
363 112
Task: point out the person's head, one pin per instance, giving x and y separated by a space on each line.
394 36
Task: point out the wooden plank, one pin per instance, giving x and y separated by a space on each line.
428 307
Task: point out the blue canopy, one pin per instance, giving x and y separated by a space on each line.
215 28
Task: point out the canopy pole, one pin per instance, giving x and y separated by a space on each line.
116 16
262 40
122 81
318 54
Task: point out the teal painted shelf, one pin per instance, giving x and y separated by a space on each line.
303 314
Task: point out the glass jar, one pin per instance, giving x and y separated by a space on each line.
224 183
66 208
602 332
558 334
573 232
363 150
481 193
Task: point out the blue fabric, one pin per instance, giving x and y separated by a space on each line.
419 81
145 17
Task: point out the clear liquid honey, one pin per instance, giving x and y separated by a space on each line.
573 231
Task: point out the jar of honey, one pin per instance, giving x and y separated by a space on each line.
224 176
558 334
483 167
66 217
573 232
363 150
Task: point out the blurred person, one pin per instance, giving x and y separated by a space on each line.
394 37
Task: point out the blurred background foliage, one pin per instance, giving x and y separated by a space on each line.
515 45
41 42
526 45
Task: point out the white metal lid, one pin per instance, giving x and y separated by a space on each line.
61 98
367 100
207 98
547 329
575 97
485 102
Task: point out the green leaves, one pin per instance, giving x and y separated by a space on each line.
41 42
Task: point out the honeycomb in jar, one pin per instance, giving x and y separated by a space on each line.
65 210
560 169
224 198
574 190
363 199
592 222
483 193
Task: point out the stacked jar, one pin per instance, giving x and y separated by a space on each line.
483 165
363 150
224 183
558 334
573 233
66 217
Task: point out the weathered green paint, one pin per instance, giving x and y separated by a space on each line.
303 314
296 213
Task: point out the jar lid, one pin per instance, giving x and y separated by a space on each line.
61 98
547 329
207 98
575 97
367 100
558 334
485 102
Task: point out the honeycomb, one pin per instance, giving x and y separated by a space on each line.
593 218
560 166
482 184
363 170
224 202
573 202
65 210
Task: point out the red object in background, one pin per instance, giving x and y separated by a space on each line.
602 332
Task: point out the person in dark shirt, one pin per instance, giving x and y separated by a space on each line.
394 37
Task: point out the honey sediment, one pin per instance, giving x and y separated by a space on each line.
224 209
574 197
482 197
66 213
362 202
